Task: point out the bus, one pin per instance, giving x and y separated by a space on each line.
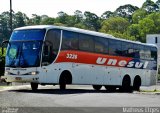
56 55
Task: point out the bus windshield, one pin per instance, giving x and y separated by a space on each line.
24 49
28 34
24 54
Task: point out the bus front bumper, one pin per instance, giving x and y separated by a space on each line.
21 78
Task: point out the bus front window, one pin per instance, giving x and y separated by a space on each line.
24 54
24 48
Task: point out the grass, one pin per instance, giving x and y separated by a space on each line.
151 91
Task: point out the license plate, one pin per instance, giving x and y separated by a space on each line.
18 78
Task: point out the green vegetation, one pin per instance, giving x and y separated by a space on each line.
2 61
151 91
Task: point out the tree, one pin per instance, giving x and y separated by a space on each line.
150 6
122 35
107 15
138 15
80 25
78 16
71 20
116 24
150 24
91 21
134 30
62 18
156 19
68 20
126 11
158 4
35 20
5 26
21 19
48 21
146 27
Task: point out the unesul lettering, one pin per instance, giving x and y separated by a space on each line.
121 63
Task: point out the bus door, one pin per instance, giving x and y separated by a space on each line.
46 60
48 57
50 52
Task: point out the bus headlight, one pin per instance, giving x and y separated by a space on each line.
6 73
32 73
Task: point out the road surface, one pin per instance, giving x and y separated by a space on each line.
75 99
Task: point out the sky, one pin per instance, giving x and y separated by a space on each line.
52 7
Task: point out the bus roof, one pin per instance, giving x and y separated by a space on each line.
80 31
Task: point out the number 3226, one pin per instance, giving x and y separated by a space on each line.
71 56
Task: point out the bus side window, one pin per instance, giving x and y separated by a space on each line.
127 49
154 53
101 45
86 42
147 53
47 50
70 40
138 51
115 47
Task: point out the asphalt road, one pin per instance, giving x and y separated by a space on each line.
76 99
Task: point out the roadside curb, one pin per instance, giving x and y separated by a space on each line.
150 93
147 93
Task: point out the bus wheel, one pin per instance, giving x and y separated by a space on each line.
34 86
110 88
126 87
97 87
62 83
137 83
65 78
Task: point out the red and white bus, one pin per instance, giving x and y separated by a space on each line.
62 55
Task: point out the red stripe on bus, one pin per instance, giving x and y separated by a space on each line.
91 58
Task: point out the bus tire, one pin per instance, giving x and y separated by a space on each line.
137 83
126 84
97 87
34 86
62 84
65 78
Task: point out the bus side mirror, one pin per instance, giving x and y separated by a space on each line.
3 43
